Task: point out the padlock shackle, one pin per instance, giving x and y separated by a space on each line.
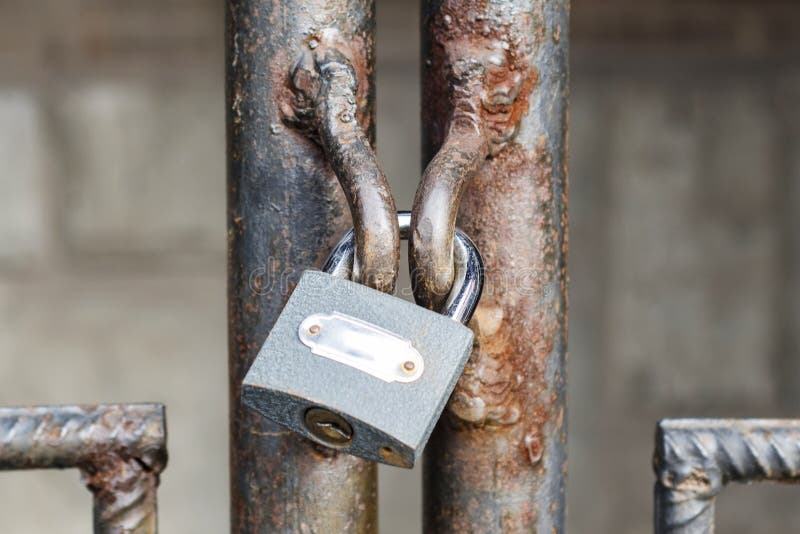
468 264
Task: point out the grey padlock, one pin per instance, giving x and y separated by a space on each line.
361 371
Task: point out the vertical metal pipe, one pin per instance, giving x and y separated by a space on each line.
497 459
285 212
120 450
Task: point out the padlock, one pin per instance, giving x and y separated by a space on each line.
362 371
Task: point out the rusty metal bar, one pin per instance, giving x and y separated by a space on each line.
285 213
325 86
695 458
497 459
120 450
462 154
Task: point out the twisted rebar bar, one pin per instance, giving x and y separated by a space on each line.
120 450
695 458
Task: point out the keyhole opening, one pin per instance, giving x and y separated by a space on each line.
329 428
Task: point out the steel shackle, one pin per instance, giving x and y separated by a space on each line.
467 283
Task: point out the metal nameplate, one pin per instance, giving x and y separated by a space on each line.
362 345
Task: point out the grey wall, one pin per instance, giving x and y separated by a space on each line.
685 158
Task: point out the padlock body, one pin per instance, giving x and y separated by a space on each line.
389 421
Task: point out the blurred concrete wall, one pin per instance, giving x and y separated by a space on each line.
685 142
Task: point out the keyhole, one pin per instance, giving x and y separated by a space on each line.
330 428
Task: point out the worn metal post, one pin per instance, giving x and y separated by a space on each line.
285 213
695 458
495 102
119 449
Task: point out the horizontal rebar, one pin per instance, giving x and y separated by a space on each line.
695 458
120 450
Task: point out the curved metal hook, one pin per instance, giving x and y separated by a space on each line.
468 272
325 108
433 219
484 87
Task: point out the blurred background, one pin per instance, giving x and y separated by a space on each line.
684 246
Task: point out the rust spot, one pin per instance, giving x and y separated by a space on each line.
534 447
485 393
321 452
492 45
257 285
697 481
392 457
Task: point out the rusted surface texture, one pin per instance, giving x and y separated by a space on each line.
497 459
119 449
325 87
482 75
436 203
695 458
286 210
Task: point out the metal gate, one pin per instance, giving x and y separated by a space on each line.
494 110
302 169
